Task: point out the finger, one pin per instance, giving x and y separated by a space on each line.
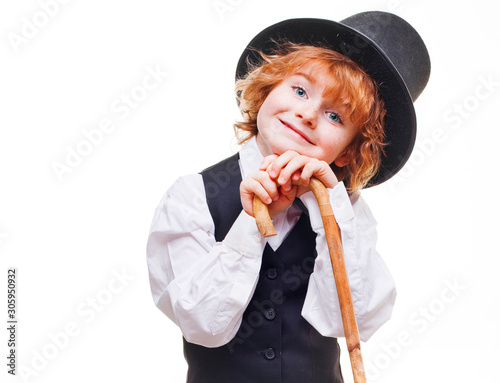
287 185
248 189
256 182
294 165
280 162
289 193
295 177
269 185
268 169
320 170
283 203
310 168
268 160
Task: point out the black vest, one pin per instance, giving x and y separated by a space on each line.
274 344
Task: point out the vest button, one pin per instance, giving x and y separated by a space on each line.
270 314
269 354
272 273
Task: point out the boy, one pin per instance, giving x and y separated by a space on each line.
330 103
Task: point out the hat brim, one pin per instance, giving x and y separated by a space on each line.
400 129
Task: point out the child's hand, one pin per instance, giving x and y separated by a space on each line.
278 198
292 167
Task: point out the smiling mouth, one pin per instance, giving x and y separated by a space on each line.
296 131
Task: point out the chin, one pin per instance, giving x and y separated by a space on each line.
296 147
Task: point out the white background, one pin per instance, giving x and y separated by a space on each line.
70 236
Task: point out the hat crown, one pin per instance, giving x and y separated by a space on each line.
400 42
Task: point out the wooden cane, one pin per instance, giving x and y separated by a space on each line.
333 239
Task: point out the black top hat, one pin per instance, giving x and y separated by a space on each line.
386 47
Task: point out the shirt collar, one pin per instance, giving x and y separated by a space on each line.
250 157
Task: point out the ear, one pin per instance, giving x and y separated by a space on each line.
344 158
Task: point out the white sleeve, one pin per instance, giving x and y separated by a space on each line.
372 287
202 285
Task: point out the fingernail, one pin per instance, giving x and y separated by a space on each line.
281 180
273 173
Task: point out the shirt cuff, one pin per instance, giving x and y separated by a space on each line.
244 236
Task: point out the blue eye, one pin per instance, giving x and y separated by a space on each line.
299 91
334 117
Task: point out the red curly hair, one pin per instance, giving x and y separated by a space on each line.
352 89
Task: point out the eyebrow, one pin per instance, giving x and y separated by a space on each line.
306 76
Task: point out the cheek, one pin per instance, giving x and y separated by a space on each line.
263 112
259 118
333 146
267 113
331 153
274 102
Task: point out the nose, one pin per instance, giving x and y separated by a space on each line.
308 114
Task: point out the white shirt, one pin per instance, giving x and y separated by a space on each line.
204 286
